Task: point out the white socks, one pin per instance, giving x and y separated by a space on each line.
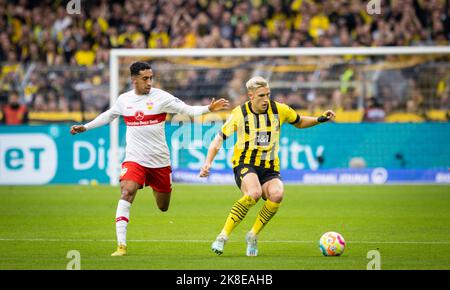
122 217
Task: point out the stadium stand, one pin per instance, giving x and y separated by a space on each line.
59 62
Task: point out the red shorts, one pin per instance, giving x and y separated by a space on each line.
160 179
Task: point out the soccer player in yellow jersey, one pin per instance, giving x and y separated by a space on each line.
255 160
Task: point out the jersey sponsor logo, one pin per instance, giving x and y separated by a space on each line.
263 138
144 120
139 115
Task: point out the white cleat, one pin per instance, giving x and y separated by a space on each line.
218 245
252 244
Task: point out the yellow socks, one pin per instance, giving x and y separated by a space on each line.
240 209
269 209
237 213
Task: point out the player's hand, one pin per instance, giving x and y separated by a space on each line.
326 116
204 171
75 129
218 105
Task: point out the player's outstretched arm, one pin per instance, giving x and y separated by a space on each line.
212 152
175 105
102 119
306 122
218 105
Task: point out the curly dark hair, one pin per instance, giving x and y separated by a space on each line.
136 67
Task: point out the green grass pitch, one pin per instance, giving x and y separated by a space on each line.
408 225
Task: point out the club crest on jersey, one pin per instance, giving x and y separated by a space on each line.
150 105
139 115
275 122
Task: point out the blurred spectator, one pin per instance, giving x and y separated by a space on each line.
374 111
443 89
85 56
296 101
14 113
393 88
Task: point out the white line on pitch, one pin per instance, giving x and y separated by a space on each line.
208 241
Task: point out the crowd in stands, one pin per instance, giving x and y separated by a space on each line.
41 34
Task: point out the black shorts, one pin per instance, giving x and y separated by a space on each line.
264 174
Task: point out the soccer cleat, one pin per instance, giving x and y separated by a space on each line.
218 245
121 251
252 244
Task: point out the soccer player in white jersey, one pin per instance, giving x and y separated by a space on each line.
147 159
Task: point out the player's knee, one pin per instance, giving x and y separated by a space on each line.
276 195
254 193
127 194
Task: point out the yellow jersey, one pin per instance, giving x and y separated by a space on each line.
258 135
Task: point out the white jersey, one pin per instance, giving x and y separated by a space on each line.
145 116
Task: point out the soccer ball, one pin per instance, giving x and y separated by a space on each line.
332 244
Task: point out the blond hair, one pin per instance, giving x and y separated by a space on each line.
255 83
